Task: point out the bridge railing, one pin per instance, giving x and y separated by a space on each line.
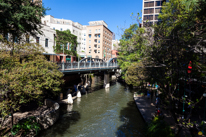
85 65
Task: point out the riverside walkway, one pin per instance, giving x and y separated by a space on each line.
145 107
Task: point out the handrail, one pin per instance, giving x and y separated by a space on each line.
86 65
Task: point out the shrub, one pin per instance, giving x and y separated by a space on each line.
159 128
25 126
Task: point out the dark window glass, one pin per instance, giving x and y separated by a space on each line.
158 10
148 17
37 40
148 11
156 17
158 3
46 42
149 4
148 24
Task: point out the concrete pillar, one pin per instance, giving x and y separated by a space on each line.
69 99
79 94
106 80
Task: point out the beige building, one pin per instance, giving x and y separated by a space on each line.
99 40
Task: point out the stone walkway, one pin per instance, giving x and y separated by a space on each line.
146 108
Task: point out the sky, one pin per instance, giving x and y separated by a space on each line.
116 13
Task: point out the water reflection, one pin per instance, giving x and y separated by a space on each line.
107 90
78 101
69 107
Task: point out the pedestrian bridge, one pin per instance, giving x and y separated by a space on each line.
88 65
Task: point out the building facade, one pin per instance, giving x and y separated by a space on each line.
99 40
150 11
75 28
94 40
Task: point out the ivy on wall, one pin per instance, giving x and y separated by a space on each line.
64 38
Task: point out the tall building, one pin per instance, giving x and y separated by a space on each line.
150 11
99 40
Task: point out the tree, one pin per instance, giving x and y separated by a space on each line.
64 38
20 17
26 76
134 46
179 39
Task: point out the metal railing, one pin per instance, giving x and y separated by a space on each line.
86 65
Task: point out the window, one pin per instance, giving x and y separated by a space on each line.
89 46
99 30
98 41
89 31
98 46
148 17
95 46
27 38
98 51
61 29
156 17
158 3
96 30
90 35
7 37
90 51
99 35
53 28
158 10
148 11
84 34
46 42
149 4
89 41
37 40
148 24
95 51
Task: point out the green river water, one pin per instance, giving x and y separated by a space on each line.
103 112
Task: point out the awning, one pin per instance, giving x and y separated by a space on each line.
82 55
89 56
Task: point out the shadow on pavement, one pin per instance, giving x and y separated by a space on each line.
134 125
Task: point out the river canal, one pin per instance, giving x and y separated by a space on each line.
103 112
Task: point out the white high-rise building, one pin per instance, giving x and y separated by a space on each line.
76 29
150 11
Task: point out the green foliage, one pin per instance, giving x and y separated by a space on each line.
18 17
159 128
65 38
25 76
25 126
134 46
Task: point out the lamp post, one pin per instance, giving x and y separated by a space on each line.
63 58
204 95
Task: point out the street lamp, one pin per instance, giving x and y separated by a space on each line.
63 58
204 95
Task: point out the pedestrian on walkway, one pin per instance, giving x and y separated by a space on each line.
148 94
